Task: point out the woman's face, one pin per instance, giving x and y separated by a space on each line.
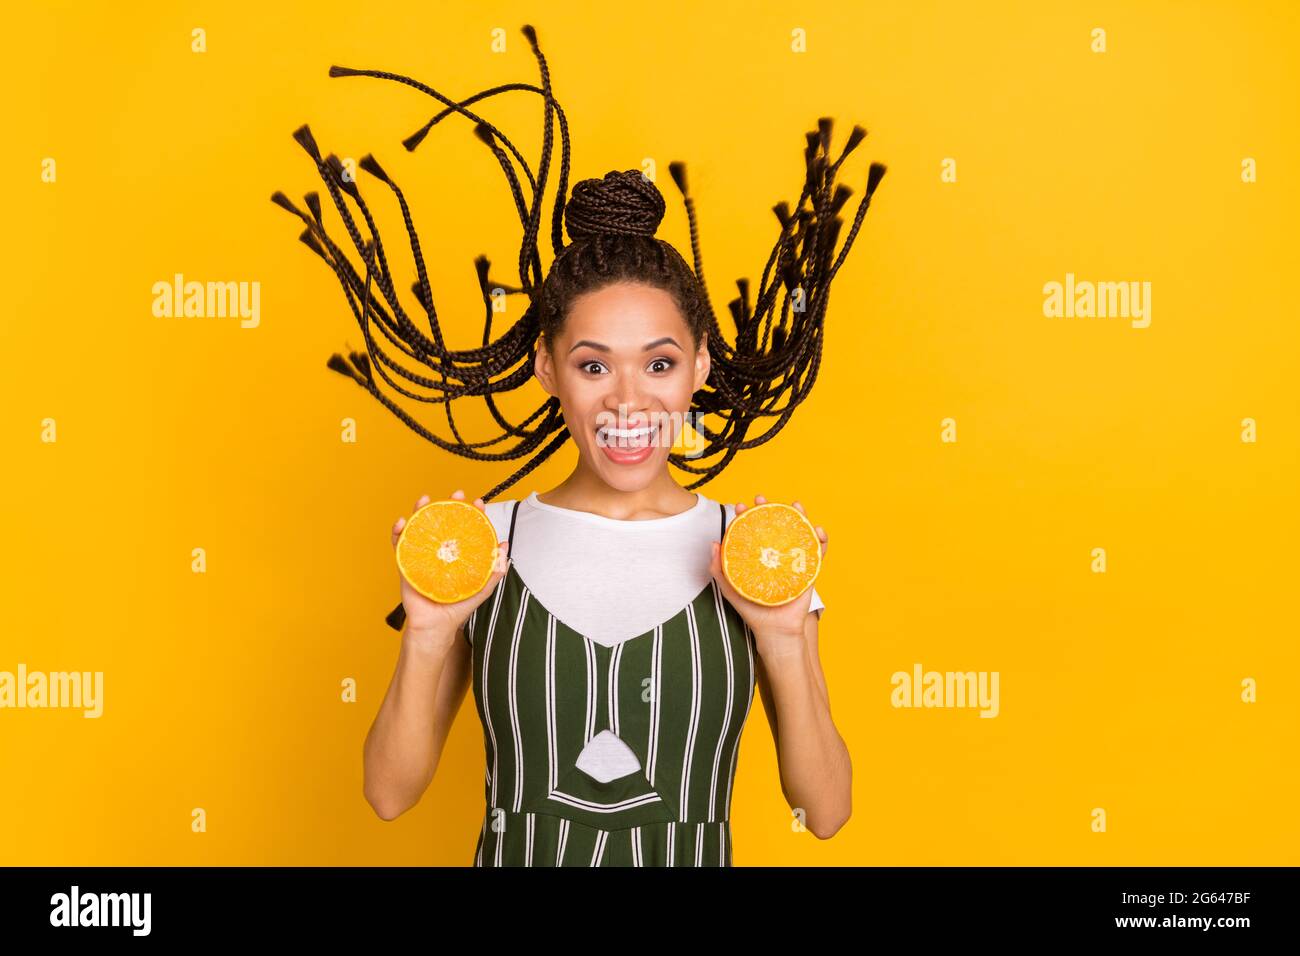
624 369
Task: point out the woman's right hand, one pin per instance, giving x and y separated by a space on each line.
429 621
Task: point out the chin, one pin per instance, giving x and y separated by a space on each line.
627 476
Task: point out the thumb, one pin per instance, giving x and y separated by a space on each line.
502 562
715 566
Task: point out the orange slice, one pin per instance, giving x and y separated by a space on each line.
771 553
447 550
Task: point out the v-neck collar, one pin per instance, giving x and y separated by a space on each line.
519 579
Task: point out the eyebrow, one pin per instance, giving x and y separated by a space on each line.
666 340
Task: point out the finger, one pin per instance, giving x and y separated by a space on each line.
739 507
502 562
397 529
478 503
760 500
798 507
458 494
424 500
715 569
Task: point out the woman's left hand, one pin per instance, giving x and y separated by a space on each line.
773 627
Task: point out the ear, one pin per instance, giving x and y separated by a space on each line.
544 367
702 362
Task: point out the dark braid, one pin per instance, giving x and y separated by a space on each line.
612 223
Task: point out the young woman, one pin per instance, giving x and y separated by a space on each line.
612 664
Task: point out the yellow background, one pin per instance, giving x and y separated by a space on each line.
1118 690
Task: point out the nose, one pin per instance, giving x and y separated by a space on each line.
624 390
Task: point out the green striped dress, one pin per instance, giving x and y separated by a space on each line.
678 695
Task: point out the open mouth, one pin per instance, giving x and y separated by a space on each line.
627 438
627 446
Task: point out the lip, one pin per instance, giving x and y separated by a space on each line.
620 456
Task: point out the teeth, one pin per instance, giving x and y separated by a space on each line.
626 436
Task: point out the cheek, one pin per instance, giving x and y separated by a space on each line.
577 392
580 399
676 391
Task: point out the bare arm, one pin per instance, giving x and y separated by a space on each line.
816 772
406 740
404 744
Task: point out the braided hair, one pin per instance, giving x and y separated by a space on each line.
611 223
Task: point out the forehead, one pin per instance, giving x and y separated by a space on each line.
625 312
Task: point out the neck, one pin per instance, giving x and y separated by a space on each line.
586 491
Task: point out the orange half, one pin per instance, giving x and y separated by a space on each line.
771 553
447 550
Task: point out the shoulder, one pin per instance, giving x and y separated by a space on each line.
728 508
498 513
712 515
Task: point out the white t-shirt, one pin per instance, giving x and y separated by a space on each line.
609 579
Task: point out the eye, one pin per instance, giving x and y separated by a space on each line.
659 365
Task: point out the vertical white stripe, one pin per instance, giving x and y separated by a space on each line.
726 715
564 838
593 693
695 712
672 840
530 833
512 696
656 673
612 687
599 852
487 668
552 758
699 844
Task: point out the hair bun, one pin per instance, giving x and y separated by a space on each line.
620 204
